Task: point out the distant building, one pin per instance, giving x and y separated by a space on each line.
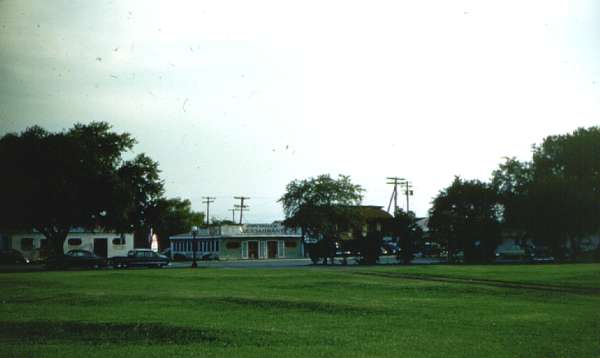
249 241
34 245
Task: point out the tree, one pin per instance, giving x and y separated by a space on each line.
566 188
465 216
322 207
512 182
555 198
139 190
170 217
54 182
407 231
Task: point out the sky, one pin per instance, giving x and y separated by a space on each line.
241 97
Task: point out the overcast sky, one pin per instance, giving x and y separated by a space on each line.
240 98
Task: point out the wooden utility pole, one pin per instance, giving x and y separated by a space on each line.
208 200
408 192
394 181
241 207
232 215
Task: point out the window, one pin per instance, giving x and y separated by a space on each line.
290 244
119 240
74 242
27 244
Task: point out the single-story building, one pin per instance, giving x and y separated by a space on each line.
34 245
248 241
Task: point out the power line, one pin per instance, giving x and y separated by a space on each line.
208 200
241 207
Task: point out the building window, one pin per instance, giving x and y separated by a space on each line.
119 240
74 242
27 244
290 244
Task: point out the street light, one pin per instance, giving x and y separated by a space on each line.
194 246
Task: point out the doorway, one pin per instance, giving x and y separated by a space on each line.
272 249
100 247
253 250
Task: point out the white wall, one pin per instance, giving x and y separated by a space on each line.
87 243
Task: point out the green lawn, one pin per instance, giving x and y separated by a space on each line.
476 311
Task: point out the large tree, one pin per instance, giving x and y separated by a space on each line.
322 206
405 228
54 182
170 217
555 198
466 216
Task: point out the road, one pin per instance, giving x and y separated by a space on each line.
243 264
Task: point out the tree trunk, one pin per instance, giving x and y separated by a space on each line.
56 239
574 248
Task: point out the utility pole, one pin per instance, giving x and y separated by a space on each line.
394 181
232 214
241 207
408 192
208 200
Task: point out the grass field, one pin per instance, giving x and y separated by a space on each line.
475 311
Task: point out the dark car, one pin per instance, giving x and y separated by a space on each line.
10 257
391 248
76 258
210 257
140 257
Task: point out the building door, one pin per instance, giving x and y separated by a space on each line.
100 247
253 250
244 249
272 249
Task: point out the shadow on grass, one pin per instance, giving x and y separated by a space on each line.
103 333
307 306
486 282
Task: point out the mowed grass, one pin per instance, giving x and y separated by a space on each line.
474 311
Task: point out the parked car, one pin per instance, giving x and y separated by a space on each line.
391 248
76 258
140 258
11 256
210 256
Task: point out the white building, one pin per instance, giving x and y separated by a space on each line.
34 245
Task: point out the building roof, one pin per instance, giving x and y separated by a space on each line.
373 212
242 231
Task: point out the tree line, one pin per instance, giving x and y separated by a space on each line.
78 178
551 201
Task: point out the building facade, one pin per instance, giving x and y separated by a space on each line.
34 245
249 241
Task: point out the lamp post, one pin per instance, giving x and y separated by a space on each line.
194 246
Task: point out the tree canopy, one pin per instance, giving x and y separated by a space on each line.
321 206
170 217
555 197
405 228
54 182
466 216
